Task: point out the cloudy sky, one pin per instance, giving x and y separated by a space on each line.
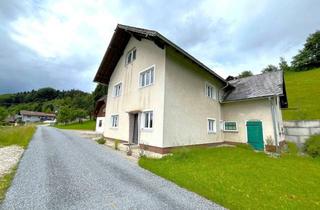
60 43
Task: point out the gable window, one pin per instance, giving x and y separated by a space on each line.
131 56
147 77
212 125
117 89
114 121
230 126
147 119
211 91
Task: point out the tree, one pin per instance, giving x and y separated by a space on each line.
270 68
3 114
283 65
245 74
309 56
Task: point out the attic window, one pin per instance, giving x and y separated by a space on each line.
131 56
211 91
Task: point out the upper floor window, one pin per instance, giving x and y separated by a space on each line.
212 126
211 91
148 119
117 89
131 56
147 77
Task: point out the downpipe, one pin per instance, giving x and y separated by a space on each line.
274 123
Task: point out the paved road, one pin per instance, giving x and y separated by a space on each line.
60 170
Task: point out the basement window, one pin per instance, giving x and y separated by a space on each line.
147 120
131 56
114 121
230 126
212 126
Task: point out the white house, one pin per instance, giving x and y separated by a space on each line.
161 97
31 116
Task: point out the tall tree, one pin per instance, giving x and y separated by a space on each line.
270 68
309 56
245 74
283 65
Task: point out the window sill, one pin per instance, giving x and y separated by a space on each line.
114 128
231 131
147 129
141 87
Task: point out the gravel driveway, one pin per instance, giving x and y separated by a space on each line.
62 171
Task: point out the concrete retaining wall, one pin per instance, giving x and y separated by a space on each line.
299 131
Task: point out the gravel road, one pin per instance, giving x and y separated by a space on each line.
60 170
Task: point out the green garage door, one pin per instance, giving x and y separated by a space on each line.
254 132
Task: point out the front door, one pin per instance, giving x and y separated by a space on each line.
255 136
135 129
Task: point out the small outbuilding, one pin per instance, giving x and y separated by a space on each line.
99 113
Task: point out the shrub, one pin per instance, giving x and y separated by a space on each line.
116 144
312 146
101 141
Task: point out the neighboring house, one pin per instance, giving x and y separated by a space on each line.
31 116
161 97
100 114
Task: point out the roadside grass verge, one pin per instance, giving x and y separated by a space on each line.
16 135
5 183
87 125
303 95
20 136
239 178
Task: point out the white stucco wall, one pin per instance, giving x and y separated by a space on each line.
187 108
243 111
100 129
134 98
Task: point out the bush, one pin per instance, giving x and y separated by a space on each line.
312 146
116 144
101 141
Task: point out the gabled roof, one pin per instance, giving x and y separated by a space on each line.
120 40
258 86
39 114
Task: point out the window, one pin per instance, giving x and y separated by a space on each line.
131 56
114 121
147 77
230 126
117 90
211 91
100 123
211 125
148 119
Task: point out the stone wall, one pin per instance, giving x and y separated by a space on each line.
299 131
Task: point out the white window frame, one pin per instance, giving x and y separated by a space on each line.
214 126
130 53
144 71
114 89
143 127
213 95
224 126
114 124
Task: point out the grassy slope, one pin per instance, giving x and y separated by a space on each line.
9 136
16 135
87 125
239 178
303 90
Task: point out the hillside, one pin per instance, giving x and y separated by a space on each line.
303 90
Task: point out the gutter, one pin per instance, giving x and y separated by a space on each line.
274 123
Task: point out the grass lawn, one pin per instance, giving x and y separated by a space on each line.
13 136
239 178
16 135
87 125
303 95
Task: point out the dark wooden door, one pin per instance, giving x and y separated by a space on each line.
135 129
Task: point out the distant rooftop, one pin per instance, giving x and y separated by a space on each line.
40 114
